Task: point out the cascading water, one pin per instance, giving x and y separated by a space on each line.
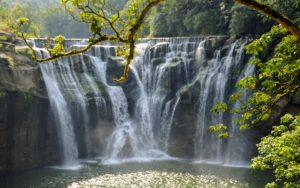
160 96
236 152
162 72
215 86
62 114
63 87
124 131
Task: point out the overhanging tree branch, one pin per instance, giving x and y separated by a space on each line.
124 31
132 33
275 15
96 17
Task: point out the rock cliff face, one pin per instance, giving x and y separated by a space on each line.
27 137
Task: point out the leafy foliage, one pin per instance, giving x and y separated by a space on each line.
247 82
220 129
246 21
191 17
198 17
277 76
277 79
280 151
52 19
289 8
219 107
44 18
10 13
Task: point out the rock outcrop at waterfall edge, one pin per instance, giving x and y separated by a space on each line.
27 137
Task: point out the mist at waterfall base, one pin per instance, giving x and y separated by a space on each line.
108 128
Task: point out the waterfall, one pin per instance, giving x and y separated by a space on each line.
236 153
62 114
60 109
163 73
215 86
124 131
63 87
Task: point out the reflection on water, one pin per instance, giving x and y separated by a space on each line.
158 179
171 174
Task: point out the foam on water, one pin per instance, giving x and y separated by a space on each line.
75 167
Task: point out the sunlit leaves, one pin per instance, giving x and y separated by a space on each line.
217 128
22 21
287 48
235 97
255 61
265 40
278 71
247 115
244 127
247 82
223 135
260 98
269 85
58 47
280 151
286 118
276 57
122 51
219 108
220 130
278 130
59 39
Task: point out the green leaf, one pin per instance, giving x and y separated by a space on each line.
22 21
244 127
219 108
218 128
223 136
247 83
286 118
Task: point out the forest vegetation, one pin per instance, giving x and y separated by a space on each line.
197 17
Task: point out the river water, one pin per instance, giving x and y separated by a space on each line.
173 174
